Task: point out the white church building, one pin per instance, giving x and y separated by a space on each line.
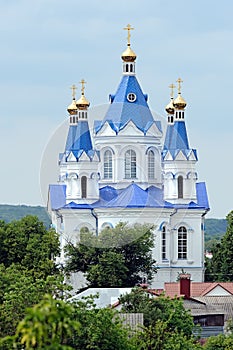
130 169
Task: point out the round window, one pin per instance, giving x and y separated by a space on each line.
131 97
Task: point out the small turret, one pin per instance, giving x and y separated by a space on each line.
128 56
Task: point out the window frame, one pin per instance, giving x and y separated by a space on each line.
108 168
182 242
130 164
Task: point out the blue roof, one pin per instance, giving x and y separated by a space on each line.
176 137
79 137
121 111
132 196
57 196
202 197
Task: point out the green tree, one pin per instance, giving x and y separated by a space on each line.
219 342
47 325
55 324
220 267
28 243
121 256
170 312
21 289
27 269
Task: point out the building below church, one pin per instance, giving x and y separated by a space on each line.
130 169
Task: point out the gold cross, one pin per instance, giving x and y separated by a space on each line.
83 82
172 87
179 81
73 88
129 28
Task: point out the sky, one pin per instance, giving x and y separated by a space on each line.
48 45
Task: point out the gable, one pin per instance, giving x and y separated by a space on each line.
106 130
71 157
154 131
218 291
131 130
180 156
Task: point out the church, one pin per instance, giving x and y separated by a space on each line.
130 168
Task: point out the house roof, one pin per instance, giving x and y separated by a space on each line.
198 289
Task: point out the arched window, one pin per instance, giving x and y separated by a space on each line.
130 164
164 255
182 242
151 165
107 164
84 187
131 68
180 186
126 68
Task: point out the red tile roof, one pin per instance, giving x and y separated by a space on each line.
197 288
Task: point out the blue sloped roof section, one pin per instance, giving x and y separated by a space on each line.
73 205
121 111
176 137
202 196
57 196
134 196
82 137
71 137
79 137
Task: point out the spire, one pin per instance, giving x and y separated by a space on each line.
79 134
128 56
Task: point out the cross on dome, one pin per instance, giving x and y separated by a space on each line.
172 87
128 28
73 88
82 82
179 81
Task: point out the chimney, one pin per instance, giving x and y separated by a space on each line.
185 284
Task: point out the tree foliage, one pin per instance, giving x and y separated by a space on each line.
27 268
158 309
220 267
55 324
121 256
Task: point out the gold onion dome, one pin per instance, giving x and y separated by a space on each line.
82 103
128 55
179 102
72 108
170 109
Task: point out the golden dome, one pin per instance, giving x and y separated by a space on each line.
82 103
72 108
170 109
128 55
179 102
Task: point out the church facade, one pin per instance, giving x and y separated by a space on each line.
131 169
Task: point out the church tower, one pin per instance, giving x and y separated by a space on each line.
178 158
79 163
128 138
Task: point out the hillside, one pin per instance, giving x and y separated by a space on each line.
16 212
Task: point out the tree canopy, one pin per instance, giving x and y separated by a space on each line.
121 256
27 268
220 267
